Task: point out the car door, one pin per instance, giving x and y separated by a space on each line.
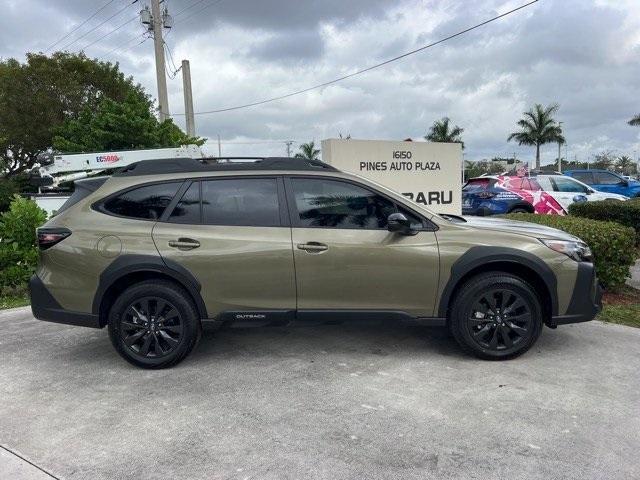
232 235
609 182
567 190
345 258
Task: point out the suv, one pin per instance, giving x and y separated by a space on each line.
606 181
161 246
543 194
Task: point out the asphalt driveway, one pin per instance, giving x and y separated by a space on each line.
360 402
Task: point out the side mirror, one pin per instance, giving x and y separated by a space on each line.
399 223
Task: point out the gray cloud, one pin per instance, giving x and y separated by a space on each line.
584 54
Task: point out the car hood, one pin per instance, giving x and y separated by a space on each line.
516 226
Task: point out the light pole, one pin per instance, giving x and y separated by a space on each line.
559 148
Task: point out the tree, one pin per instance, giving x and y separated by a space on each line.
52 95
603 160
635 121
112 125
442 132
308 151
538 127
626 165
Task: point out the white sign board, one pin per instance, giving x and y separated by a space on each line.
430 174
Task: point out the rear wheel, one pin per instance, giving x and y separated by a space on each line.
154 324
496 316
519 210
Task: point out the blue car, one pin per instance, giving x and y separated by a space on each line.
606 181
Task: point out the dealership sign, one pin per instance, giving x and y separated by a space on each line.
427 173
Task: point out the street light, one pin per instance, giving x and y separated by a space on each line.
559 147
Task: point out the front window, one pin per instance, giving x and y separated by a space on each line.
566 184
605 178
334 204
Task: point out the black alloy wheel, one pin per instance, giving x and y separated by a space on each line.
151 327
154 324
499 320
496 316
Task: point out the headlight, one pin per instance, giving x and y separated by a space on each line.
579 251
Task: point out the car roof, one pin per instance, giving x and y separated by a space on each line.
221 164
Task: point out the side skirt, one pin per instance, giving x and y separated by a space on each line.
262 318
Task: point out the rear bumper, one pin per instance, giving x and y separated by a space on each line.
586 300
45 307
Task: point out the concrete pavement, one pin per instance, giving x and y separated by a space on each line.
338 402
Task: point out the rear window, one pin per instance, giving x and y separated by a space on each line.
241 202
584 177
146 202
83 189
476 185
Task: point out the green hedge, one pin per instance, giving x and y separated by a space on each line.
18 249
626 213
612 244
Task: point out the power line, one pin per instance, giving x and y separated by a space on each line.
368 69
100 24
204 7
197 2
117 48
77 27
109 32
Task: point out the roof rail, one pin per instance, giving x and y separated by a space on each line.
216 164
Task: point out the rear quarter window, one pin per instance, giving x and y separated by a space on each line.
146 202
476 185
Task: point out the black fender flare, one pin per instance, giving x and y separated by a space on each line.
135 263
522 204
485 256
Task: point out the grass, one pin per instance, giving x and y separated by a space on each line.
622 307
13 301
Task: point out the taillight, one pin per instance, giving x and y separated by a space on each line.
49 236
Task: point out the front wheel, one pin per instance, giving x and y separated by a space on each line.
496 316
154 324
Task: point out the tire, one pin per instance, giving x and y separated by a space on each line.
519 210
488 332
154 324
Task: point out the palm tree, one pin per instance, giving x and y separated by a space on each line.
538 128
626 165
441 132
635 121
308 151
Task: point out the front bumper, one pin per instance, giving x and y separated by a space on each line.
586 300
45 307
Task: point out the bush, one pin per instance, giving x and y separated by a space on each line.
612 244
18 247
625 213
8 188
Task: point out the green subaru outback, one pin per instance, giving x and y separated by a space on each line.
161 246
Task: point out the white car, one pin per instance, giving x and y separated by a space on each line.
567 190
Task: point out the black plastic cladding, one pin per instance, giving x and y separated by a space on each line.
180 165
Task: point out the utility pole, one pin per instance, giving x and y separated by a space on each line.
188 99
219 147
155 22
289 143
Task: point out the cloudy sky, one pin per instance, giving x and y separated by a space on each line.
582 54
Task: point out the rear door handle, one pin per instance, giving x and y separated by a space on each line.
313 247
184 244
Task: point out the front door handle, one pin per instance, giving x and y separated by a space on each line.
184 244
313 247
